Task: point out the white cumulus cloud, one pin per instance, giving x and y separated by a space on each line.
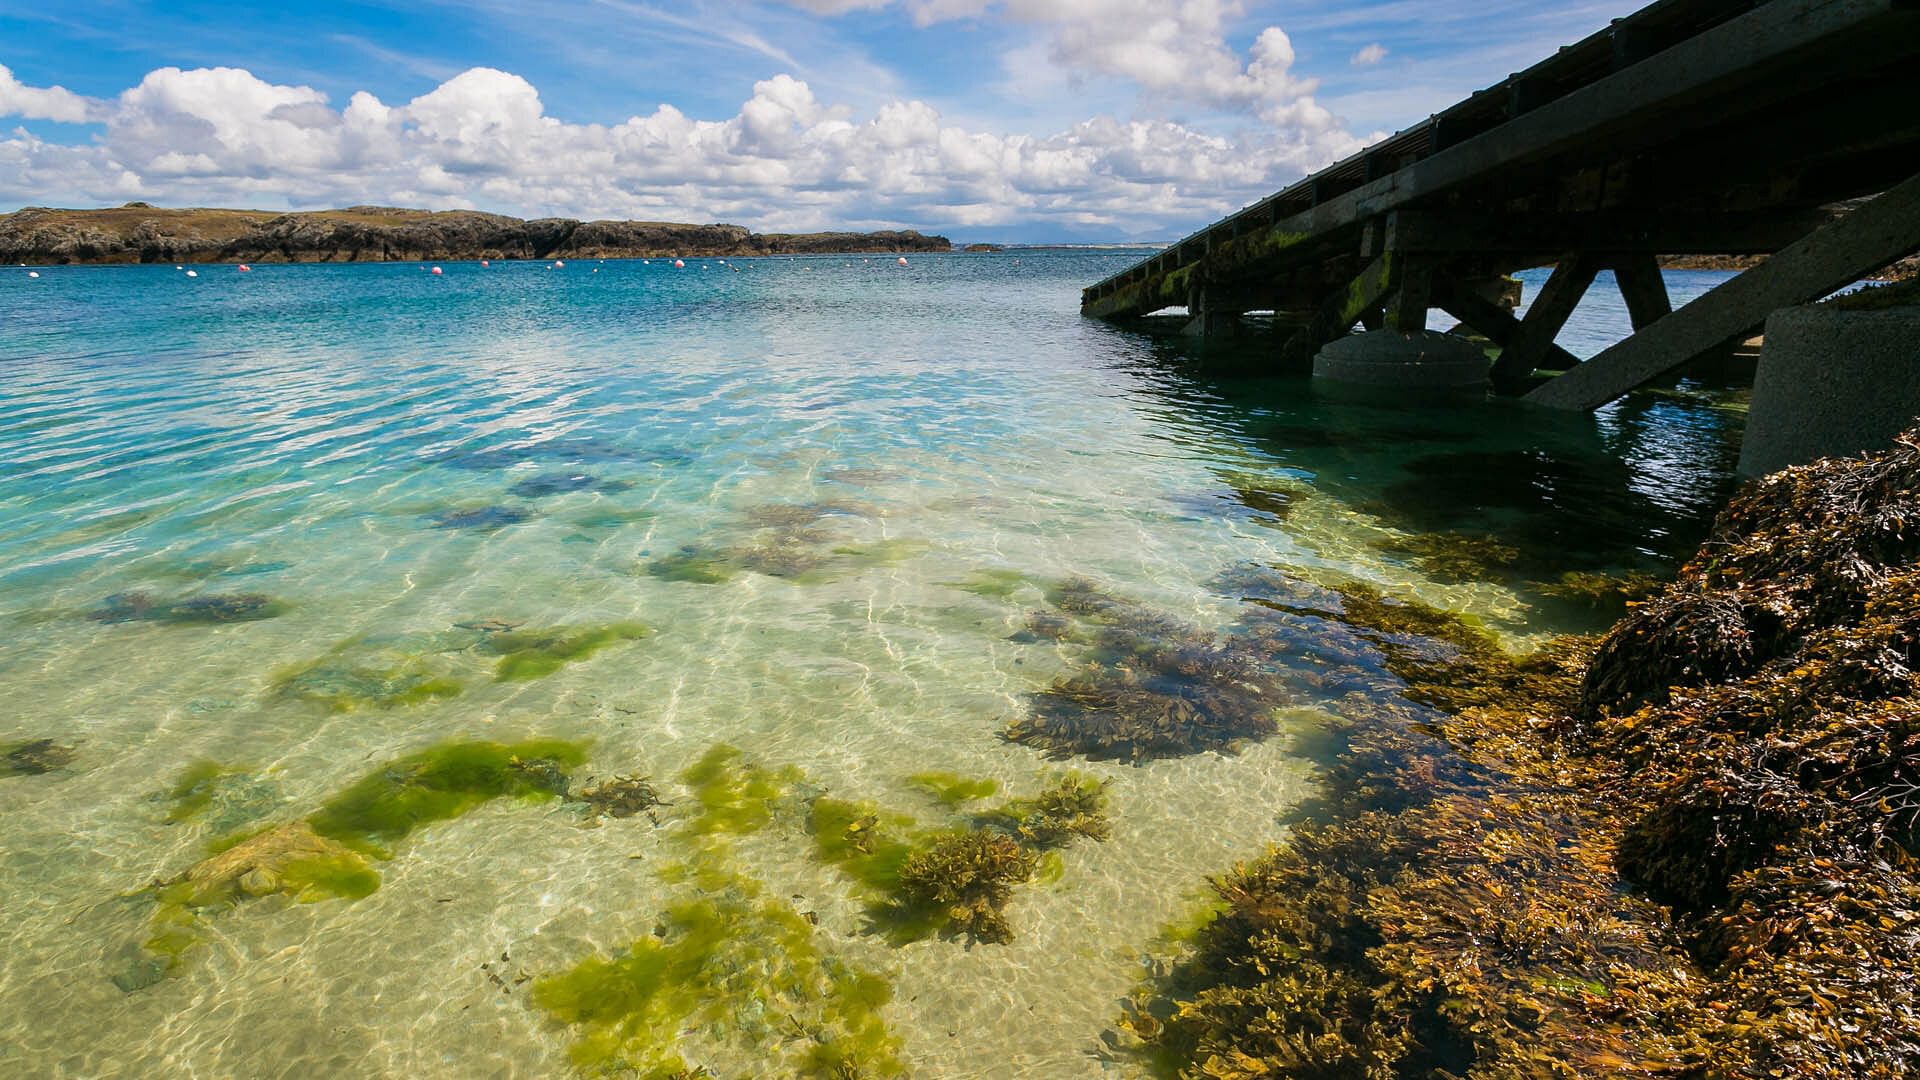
785 160
1369 55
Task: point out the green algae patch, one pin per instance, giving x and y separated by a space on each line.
193 791
531 654
952 789
356 675
734 796
734 973
443 782
222 797
694 565
331 853
992 583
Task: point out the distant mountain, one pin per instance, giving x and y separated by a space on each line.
139 233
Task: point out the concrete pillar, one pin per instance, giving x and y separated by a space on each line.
1386 358
1832 382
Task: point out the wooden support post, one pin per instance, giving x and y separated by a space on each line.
1836 255
1491 321
1533 340
1644 290
1340 311
1407 310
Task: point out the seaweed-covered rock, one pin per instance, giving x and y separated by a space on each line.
34 757
1153 687
1692 853
211 608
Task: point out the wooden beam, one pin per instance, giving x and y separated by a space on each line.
1649 232
1492 321
1874 234
1533 340
1644 290
1340 311
1407 308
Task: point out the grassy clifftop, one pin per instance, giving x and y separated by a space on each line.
138 232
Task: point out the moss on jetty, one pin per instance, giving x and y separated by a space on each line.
1688 851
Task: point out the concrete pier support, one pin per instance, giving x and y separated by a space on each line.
1426 360
1832 382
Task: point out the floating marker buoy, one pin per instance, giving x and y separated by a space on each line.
484 262
596 269
33 273
245 269
179 268
679 264
436 269
646 262
558 263
193 273
902 260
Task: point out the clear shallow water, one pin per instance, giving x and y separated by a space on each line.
322 436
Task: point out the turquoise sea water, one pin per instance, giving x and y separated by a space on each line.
275 520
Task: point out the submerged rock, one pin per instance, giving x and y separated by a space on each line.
561 483
34 757
1154 688
209 609
483 518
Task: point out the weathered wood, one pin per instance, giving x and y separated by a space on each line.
1649 232
1874 234
1643 289
1533 339
1491 321
1338 314
1741 65
1407 308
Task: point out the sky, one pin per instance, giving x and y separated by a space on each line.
984 120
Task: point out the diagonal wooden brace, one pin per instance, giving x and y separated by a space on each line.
1831 257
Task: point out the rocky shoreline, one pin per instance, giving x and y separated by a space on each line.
139 233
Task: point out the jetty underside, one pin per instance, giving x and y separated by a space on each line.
1783 128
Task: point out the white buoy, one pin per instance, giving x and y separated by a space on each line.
646 262
193 273
436 269
179 268
33 273
558 263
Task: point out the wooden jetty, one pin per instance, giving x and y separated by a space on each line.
1785 128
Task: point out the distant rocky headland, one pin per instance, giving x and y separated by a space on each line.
139 233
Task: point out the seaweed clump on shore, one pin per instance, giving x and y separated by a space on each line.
1153 687
1688 852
